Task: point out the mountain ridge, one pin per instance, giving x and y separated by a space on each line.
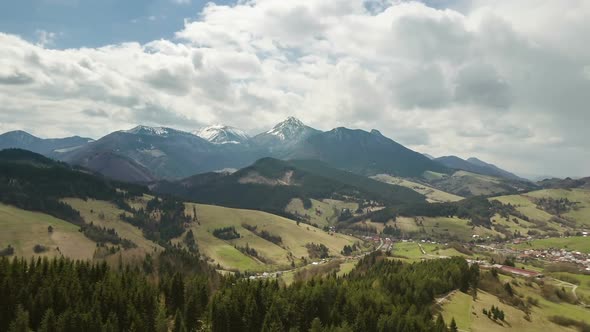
145 154
478 166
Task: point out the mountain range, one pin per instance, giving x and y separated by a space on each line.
146 154
476 166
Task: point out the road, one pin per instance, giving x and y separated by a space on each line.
381 243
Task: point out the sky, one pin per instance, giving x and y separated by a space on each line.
504 81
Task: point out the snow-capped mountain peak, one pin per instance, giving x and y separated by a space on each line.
288 129
221 134
153 131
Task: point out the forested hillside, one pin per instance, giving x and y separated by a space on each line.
379 295
270 184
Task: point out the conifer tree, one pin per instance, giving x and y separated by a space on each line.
453 327
21 321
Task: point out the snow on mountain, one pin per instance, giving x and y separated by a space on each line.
221 134
288 129
153 131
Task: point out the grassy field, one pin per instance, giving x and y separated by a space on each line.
466 183
469 317
432 194
106 214
24 229
410 251
582 281
459 307
346 267
329 210
430 175
525 204
575 243
442 228
294 238
581 213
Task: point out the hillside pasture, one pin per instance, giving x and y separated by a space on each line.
322 212
292 248
432 194
442 228
573 243
24 229
469 316
106 214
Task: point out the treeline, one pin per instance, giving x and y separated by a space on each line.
317 250
313 179
477 209
102 235
226 233
175 290
379 295
163 219
555 206
276 239
32 182
65 295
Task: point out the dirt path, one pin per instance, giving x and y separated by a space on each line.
440 300
422 249
574 287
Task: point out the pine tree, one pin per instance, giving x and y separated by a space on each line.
21 321
316 325
440 325
176 293
179 325
453 327
49 322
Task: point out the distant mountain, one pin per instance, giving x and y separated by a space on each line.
285 135
53 146
477 166
428 156
156 152
270 184
567 183
118 167
220 134
145 154
367 153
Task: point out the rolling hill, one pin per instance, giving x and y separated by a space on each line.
468 184
49 208
270 184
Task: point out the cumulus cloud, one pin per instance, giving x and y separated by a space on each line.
504 81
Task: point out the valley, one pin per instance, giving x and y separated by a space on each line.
294 221
294 166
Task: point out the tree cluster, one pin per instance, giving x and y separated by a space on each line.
102 235
317 250
276 239
226 233
494 313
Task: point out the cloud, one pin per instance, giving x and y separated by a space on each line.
45 38
96 113
14 77
492 79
